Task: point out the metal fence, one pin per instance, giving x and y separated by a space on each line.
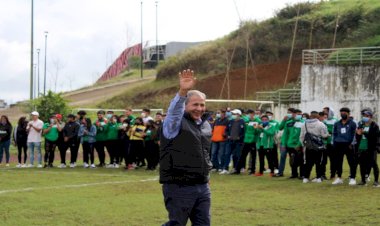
281 96
349 56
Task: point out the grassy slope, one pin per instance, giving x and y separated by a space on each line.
270 42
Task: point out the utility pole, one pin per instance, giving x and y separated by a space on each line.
38 72
46 33
31 52
142 54
157 49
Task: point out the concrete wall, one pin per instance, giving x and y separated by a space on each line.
355 87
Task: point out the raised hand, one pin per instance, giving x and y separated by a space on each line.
186 81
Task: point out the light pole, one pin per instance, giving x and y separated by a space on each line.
31 52
142 54
35 81
46 33
38 72
157 53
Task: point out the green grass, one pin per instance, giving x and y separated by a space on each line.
117 197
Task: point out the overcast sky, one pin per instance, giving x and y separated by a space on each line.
85 36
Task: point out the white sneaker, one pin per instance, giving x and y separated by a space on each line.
268 171
18 165
93 166
110 166
39 166
223 172
314 180
337 181
305 180
63 165
368 179
317 180
220 170
352 182
72 165
116 166
23 165
242 170
7 165
85 165
276 171
30 165
213 170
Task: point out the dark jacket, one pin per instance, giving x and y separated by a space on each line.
71 130
241 130
5 132
185 158
348 136
20 135
371 136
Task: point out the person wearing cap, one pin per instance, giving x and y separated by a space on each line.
366 137
291 138
5 138
218 140
50 130
70 137
329 152
101 137
34 129
235 136
184 156
249 146
343 139
283 151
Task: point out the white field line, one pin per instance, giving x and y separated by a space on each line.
75 185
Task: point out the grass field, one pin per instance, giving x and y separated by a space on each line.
118 197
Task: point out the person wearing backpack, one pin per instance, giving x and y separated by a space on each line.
366 137
313 155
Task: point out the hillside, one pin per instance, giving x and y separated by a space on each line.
325 24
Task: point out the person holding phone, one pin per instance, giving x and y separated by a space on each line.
50 130
136 136
34 129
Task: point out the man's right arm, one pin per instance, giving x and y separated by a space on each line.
172 122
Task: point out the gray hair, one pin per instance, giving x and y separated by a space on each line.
191 93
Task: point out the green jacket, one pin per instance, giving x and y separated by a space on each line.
291 136
330 126
52 135
101 130
113 131
265 137
249 134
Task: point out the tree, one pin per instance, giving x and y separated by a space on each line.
51 103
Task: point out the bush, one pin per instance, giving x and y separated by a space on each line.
134 62
49 104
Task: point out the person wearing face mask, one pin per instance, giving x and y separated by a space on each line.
329 152
50 130
366 137
283 151
145 115
265 132
70 137
249 146
112 142
228 113
5 138
109 115
343 138
274 150
101 137
293 145
218 140
235 135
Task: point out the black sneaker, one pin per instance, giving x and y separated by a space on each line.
293 177
278 175
323 177
376 184
362 183
45 166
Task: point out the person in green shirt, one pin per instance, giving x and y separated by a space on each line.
101 137
291 141
129 116
329 152
113 128
274 150
50 130
265 132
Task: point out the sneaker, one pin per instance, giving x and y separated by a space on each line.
223 172
50 165
276 171
110 166
23 165
376 184
352 181
213 170
317 180
18 165
305 180
45 166
279 175
85 165
131 167
314 180
63 165
220 170
7 165
93 166
116 166
73 165
242 170
323 177
337 181
268 171
362 183
39 166
368 179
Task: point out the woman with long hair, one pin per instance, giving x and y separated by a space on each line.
5 138
20 137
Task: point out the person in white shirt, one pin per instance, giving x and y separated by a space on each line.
145 115
34 129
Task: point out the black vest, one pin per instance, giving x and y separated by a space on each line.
185 159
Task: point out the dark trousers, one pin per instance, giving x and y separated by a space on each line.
136 152
328 154
88 152
236 153
112 149
124 154
72 144
296 161
184 202
49 151
62 147
274 156
22 146
265 152
313 158
248 148
99 146
341 149
368 160
152 154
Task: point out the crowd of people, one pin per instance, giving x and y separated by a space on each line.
237 135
